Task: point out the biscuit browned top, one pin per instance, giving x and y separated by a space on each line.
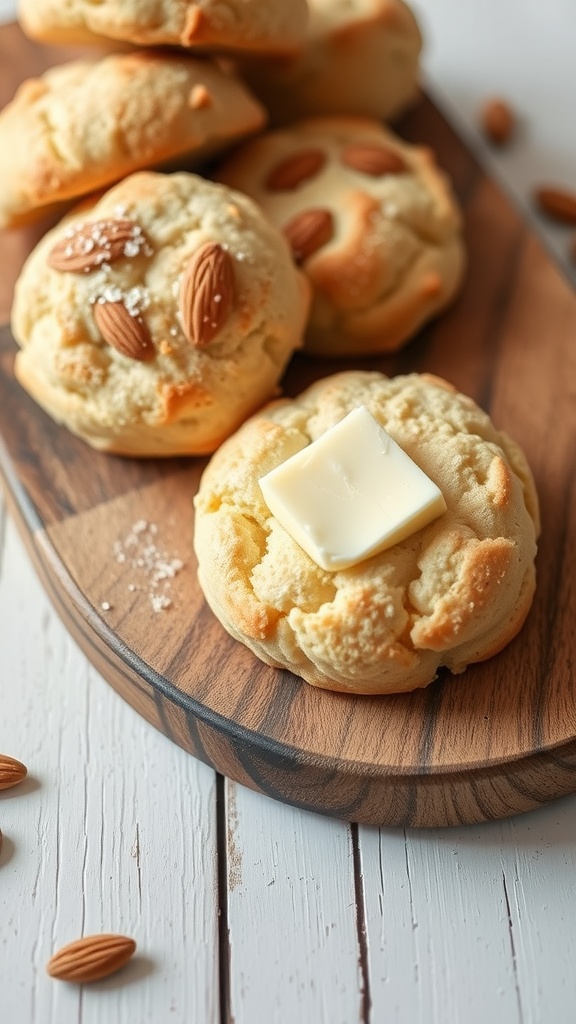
269 26
453 593
85 124
361 57
372 220
154 320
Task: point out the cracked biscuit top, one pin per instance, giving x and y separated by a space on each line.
154 320
372 221
455 592
263 26
86 124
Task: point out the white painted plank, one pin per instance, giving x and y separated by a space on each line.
437 927
114 831
539 853
291 915
473 924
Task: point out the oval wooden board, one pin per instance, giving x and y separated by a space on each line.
497 740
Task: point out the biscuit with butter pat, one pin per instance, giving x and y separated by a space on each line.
371 220
154 320
452 592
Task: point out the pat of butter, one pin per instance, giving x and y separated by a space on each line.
351 493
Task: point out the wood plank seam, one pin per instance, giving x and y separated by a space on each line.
224 950
361 927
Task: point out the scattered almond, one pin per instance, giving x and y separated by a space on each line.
126 333
91 958
11 771
308 232
295 170
373 160
207 294
498 121
557 203
90 245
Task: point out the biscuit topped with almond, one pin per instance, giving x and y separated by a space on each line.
153 320
371 220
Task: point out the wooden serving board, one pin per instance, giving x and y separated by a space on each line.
497 740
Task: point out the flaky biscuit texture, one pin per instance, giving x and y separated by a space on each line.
392 255
86 124
187 391
360 58
268 26
453 593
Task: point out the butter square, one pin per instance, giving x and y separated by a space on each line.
351 493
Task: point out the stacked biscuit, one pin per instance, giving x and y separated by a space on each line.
158 314
367 243
163 309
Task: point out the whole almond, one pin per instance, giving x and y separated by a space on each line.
308 232
295 170
557 203
374 160
89 245
498 121
11 771
91 958
126 333
207 294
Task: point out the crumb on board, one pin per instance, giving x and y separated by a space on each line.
154 568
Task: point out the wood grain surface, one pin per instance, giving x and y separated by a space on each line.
497 740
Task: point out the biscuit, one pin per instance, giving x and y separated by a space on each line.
156 319
360 58
263 26
86 124
371 219
453 593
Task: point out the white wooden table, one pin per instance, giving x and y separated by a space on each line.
246 910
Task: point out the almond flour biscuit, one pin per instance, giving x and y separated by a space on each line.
263 26
371 219
155 320
453 593
84 125
360 58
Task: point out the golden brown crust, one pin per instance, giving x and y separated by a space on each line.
184 397
451 594
482 565
261 26
360 58
86 124
394 256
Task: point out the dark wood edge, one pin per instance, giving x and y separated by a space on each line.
382 798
